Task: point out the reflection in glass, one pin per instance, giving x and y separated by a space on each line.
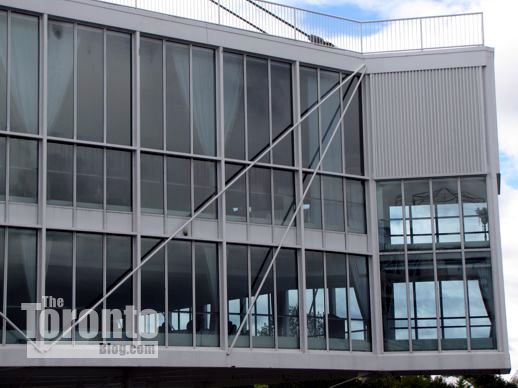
23 170
336 273
237 293
60 79
355 206
418 214
257 107
234 89
315 300
2 261
178 186
152 183
118 180
309 128
474 209
262 316
236 195
260 196
446 208
333 203
281 111
204 101
205 186
3 156
89 177
390 216
90 87
24 71
329 116
312 203
60 174
284 196
359 303
287 299
3 70
177 97
352 124
118 88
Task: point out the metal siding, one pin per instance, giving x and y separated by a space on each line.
427 123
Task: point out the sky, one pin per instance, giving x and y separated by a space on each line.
499 16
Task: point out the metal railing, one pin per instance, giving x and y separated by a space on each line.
423 33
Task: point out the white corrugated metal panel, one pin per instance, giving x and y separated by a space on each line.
426 123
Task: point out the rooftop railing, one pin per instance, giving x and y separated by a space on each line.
422 33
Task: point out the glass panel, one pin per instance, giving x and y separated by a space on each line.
330 114
204 101
23 170
179 278
153 293
178 186
417 204
237 293
118 88
118 180
284 196
257 107
446 204
2 263
234 88
118 264
151 95
90 185
3 71
59 273
60 174
207 294
333 203
262 322
236 194
178 98
309 128
355 206
90 88
260 196
21 279
394 303
390 216
359 303
315 300
353 135
282 111
452 308
89 279
60 80
480 300
422 302
24 73
152 185
337 315
3 156
474 208
313 203
287 299
205 186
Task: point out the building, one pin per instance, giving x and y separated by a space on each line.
118 123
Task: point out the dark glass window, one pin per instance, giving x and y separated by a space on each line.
205 186
204 101
315 300
21 279
3 71
151 95
3 156
60 79
152 184
359 303
355 206
418 214
333 203
180 301
90 83
287 299
329 116
446 209
257 106
284 196
309 128
118 88
260 195
207 294
337 316
313 203
281 111
236 194
352 124
237 293
233 68
24 73
90 174
474 209
60 174
178 98
178 186
118 180
2 262
390 216
262 315
23 170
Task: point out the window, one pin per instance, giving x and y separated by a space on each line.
178 97
337 317
355 206
204 101
309 128
205 186
284 196
446 208
233 68
474 209
390 216
90 83
260 196
315 302
238 295
151 95
60 79
352 125
333 203
418 214
24 65
3 156
60 174
287 299
359 302
258 112
152 183
118 180
3 71
329 118
281 111
23 170
90 186
179 186
236 194
118 88
262 315
313 203
2 263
